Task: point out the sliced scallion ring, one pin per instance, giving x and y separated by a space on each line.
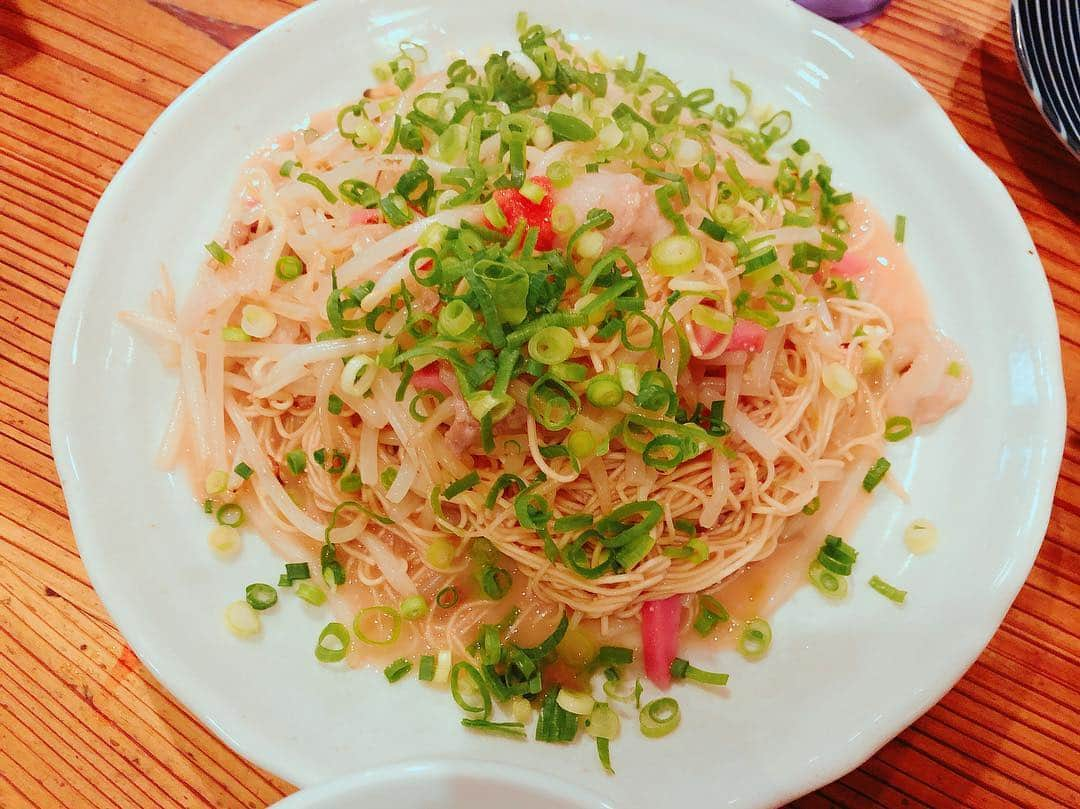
659 717
260 596
377 613
675 255
755 639
242 620
479 686
551 345
230 514
333 644
414 608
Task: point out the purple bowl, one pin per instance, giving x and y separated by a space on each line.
851 13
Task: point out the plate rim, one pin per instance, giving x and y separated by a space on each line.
339 788
831 766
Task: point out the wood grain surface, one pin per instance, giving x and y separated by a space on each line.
84 724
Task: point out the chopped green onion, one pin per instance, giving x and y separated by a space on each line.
712 319
675 255
611 689
887 590
604 391
481 688
876 473
388 476
333 643
235 334
659 717
955 369
230 514
503 482
452 142
901 228
296 571
576 702
800 147
288 268
334 404
414 608
318 185
613 656
839 381
440 553
287 167
490 646
603 751
568 127
921 536
664 452
447 597
260 596
378 612
571 522
496 582
682 670
396 209
561 177
461 484
688 527
398 669
759 261
755 639
554 723
224 539
710 613
568 372
218 253
455 319
533 192
243 470
629 377
695 550
311 594
495 214
828 583
332 571
553 403
897 428
812 507
513 729
350 483
562 219
425 671
590 245
296 460
551 345
581 444
242 620
837 556
521 336
426 393
357 192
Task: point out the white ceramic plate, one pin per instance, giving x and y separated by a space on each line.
839 681
448 783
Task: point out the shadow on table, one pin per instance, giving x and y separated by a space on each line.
1031 144
16 43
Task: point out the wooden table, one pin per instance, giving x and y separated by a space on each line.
83 723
